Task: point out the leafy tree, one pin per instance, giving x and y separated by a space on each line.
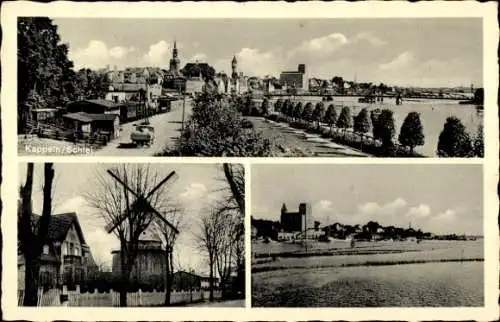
278 104
374 115
91 84
386 128
454 140
307 112
43 67
195 69
362 122
345 119
290 109
479 142
339 81
330 116
318 113
412 131
284 107
265 107
216 130
479 96
297 110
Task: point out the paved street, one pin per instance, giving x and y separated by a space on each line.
167 129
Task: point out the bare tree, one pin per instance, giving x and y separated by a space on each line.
209 240
114 201
234 201
33 234
235 177
168 238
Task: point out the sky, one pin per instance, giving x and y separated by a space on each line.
440 199
410 51
195 189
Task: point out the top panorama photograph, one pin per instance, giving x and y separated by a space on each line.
354 87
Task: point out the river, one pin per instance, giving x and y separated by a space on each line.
410 285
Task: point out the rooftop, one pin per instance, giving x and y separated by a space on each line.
88 118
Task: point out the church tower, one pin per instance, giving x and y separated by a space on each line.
234 76
174 61
234 67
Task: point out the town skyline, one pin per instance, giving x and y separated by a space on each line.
195 189
426 54
450 203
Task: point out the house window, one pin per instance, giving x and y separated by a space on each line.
71 249
45 249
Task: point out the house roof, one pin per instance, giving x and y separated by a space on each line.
60 224
105 103
90 117
109 105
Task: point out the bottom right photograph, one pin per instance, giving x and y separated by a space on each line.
394 235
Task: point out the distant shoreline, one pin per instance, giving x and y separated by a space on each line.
384 96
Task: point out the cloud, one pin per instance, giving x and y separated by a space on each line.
193 191
158 54
200 57
324 206
419 212
373 208
97 54
321 46
403 60
252 61
368 37
120 52
448 215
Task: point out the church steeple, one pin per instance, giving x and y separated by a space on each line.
174 51
175 61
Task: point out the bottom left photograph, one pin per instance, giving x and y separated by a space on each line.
131 234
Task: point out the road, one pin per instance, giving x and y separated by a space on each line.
320 147
167 130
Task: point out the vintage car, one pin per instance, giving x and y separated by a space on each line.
143 135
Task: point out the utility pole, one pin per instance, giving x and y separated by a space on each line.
183 105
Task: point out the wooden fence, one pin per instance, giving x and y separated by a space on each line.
112 298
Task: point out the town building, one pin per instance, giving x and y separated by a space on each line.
149 263
295 79
238 83
86 124
94 106
295 223
66 258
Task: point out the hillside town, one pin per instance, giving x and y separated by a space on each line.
152 110
142 269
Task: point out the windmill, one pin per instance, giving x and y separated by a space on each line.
141 203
